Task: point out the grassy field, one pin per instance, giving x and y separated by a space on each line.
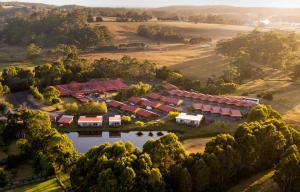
261 182
125 31
191 60
50 185
285 92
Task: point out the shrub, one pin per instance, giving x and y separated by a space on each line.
126 119
139 123
34 91
51 93
71 108
173 114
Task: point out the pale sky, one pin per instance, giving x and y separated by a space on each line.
160 3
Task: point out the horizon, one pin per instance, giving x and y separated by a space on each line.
165 3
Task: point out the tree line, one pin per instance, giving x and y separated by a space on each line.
250 52
54 27
159 33
72 68
217 19
164 165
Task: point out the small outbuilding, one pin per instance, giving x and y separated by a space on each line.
66 120
115 121
84 121
194 120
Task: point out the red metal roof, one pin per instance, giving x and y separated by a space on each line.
197 106
146 113
147 103
115 104
169 86
235 113
135 100
91 87
128 108
153 96
66 119
90 119
225 111
216 109
171 100
206 108
166 108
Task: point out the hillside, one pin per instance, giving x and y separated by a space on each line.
192 60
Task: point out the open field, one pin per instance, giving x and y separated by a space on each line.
195 145
125 31
191 60
285 92
262 182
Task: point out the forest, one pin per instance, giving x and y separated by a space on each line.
48 29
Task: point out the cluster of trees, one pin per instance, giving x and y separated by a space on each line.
134 17
136 90
126 67
164 165
199 40
218 19
74 68
54 27
251 51
52 152
160 33
214 85
92 108
50 94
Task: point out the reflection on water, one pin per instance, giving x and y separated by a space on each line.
84 140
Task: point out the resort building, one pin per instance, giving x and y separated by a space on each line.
194 120
115 121
84 121
66 120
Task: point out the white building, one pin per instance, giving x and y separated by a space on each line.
194 120
84 121
115 121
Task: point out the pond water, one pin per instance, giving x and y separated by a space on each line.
83 141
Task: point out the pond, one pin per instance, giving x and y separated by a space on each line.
84 140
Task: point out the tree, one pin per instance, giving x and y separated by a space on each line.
17 79
223 158
181 179
262 112
122 168
36 93
33 51
3 178
93 108
165 152
51 93
4 89
287 172
72 108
